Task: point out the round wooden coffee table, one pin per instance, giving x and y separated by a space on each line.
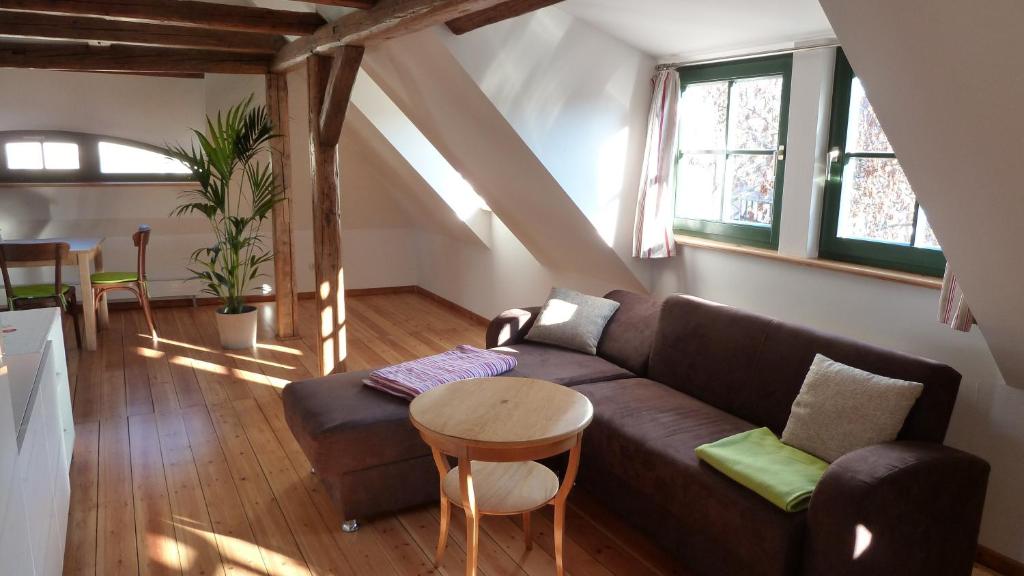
496 428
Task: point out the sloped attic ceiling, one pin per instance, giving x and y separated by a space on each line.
430 86
940 77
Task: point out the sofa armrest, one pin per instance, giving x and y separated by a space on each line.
510 327
897 508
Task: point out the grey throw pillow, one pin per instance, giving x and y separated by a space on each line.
572 320
840 409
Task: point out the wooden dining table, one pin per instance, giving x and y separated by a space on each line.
87 255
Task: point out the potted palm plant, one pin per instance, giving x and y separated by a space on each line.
236 194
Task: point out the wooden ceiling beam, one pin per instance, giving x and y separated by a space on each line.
118 58
344 68
386 20
361 4
187 12
55 27
503 11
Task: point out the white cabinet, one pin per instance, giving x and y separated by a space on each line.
36 442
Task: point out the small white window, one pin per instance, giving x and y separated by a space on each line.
121 159
24 155
60 155
42 156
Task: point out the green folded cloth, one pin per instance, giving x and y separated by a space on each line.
758 460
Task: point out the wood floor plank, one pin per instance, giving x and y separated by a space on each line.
493 558
536 561
234 534
186 385
86 404
423 527
312 535
281 553
154 523
193 528
235 387
158 370
80 549
113 397
403 552
577 560
209 369
116 552
136 377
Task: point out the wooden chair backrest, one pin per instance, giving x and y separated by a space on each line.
30 252
141 240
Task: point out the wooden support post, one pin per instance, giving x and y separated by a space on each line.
330 282
284 254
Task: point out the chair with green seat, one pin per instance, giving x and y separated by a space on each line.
134 282
39 295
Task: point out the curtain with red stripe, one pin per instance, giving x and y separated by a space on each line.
953 309
652 232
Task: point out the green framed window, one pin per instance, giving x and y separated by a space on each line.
732 133
870 214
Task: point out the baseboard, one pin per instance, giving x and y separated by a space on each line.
997 562
453 306
180 302
380 291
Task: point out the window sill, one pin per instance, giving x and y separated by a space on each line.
93 184
856 269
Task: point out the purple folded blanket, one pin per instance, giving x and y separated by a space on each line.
410 379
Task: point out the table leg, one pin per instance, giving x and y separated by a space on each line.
446 506
442 539
88 302
472 516
527 530
101 312
560 503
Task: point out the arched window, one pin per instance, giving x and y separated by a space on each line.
55 157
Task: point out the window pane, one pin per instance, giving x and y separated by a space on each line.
60 155
702 113
876 201
24 155
699 182
750 182
121 159
754 112
864 132
925 236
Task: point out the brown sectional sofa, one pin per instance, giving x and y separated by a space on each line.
671 375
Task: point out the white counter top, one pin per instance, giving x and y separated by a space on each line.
23 354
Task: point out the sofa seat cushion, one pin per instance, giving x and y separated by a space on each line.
645 434
561 366
343 425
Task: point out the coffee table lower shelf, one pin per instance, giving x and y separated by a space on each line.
505 488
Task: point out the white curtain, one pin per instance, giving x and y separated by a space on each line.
953 309
652 232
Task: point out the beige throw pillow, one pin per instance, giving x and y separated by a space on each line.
840 409
572 320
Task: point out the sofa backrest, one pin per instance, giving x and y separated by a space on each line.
629 335
753 366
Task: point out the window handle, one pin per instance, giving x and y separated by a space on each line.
782 152
833 157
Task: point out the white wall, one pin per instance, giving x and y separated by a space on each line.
150 110
159 111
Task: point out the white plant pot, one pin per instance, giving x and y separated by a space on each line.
237 331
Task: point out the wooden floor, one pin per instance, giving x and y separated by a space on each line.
183 463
